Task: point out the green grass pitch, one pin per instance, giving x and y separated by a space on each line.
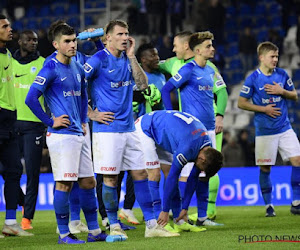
239 222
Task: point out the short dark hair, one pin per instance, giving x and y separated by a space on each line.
142 49
2 17
63 29
110 26
52 27
26 32
213 161
200 37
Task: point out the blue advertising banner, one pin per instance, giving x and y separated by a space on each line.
238 187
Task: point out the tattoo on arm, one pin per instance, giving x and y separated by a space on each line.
138 73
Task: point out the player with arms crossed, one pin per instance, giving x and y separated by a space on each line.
269 88
112 73
187 139
62 83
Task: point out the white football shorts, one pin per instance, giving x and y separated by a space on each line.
70 156
153 154
115 152
267 146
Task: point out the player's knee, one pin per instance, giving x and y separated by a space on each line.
265 168
139 175
154 174
87 183
110 180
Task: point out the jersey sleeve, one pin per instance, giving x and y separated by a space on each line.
219 82
91 67
182 76
45 77
165 66
288 84
247 89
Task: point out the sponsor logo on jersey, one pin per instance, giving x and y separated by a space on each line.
152 163
263 160
72 93
78 78
262 88
177 77
6 79
64 78
108 169
198 131
205 88
33 69
245 89
5 68
21 86
120 84
271 100
181 159
71 175
112 70
290 82
40 80
87 68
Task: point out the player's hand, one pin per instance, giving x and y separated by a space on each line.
163 218
219 124
130 48
83 125
102 117
94 39
135 107
183 215
61 121
272 111
274 89
152 94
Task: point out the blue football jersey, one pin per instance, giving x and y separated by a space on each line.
254 88
196 90
156 78
111 84
179 133
62 86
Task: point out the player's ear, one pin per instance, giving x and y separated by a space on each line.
55 44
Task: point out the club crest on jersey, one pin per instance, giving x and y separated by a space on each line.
40 80
33 69
177 77
181 159
245 90
87 68
78 78
129 67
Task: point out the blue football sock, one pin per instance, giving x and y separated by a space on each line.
74 202
295 183
61 207
89 207
110 201
202 197
154 190
144 198
11 214
265 186
176 203
182 185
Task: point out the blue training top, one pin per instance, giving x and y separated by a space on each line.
111 89
196 90
254 88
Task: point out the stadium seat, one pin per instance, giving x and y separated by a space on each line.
31 12
73 9
17 25
88 47
262 36
230 11
232 37
260 9
232 51
292 20
235 64
32 25
45 11
246 22
230 24
74 21
59 11
274 9
237 77
260 22
275 22
245 10
88 20
101 4
45 23
296 75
